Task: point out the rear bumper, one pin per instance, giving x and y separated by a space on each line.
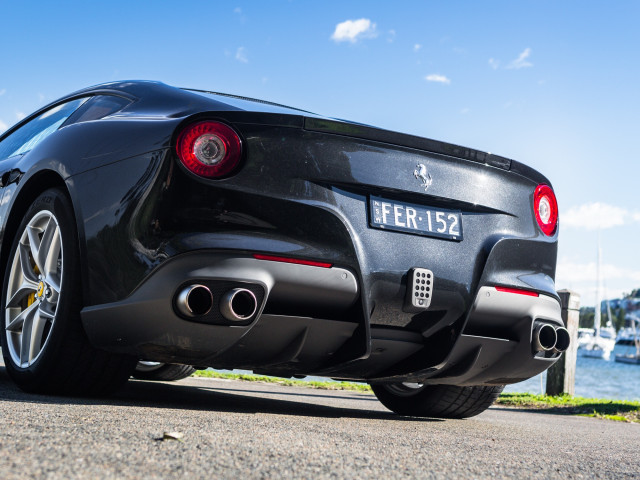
495 346
147 323
505 353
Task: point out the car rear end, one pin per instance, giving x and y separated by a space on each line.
352 252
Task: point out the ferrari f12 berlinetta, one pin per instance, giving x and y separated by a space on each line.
143 222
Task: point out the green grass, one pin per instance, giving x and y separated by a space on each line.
351 386
619 410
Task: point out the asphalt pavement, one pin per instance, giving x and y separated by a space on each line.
233 429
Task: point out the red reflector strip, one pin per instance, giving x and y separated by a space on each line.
518 291
297 261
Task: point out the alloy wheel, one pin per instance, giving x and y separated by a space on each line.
147 366
33 290
405 389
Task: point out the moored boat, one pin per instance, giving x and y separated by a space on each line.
603 340
629 339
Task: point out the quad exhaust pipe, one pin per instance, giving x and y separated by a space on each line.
236 305
563 339
544 337
547 338
194 301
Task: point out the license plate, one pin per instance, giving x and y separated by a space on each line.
414 218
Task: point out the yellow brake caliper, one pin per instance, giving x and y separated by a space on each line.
32 296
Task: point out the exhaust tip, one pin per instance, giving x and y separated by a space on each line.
563 339
544 337
238 305
194 301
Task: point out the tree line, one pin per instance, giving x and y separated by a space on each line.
587 315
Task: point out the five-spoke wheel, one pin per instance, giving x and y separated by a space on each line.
33 288
44 345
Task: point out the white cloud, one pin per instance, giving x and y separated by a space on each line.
240 15
3 91
417 47
521 61
3 126
571 272
592 216
354 30
464 111
568 273
391 36
434 77
20 115
494 63
241 55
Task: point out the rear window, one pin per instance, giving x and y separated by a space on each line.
98 107
33 132
76 111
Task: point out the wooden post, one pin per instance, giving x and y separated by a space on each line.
561 377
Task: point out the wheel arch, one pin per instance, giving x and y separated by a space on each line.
25 196
70 365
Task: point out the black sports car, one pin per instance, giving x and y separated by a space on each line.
146 222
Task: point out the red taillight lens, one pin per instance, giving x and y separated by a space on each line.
209 149
545 208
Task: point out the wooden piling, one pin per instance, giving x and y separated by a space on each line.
561 377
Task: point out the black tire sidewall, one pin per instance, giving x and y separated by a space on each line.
165 373
66 326
434 400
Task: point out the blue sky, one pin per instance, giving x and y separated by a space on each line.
551 84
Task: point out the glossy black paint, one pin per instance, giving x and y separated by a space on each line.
301 191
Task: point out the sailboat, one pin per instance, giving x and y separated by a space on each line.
602 343
630 339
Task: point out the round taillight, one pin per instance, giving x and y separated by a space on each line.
209 149
545 208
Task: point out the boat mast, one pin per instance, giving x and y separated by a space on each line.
597 318
636 337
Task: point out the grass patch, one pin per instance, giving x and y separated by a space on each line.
620 410
351 386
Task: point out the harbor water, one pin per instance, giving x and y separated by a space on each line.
595 378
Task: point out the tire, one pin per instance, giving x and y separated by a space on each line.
439 401
44 346
162 372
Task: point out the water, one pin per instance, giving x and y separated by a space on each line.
595 378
